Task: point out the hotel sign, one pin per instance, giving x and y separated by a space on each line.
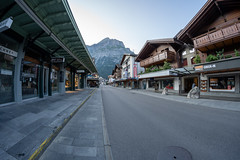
8 51
5 24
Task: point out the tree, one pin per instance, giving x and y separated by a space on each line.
166 65
197 59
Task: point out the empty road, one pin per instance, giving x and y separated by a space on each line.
141 127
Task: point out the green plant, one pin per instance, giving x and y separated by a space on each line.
236 52
220 54
197 59
211 57
166 65
228 56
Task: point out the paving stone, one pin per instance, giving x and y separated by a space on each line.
64 140
5 156
85 151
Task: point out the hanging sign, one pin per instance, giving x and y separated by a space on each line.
80 71
5 24
58 60
8 51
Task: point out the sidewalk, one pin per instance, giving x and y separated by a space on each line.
82 137
219 104
24 126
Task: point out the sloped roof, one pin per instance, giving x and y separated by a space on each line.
151 45
127 54
210 11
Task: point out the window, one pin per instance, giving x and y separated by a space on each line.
192 50
226 84
30 80
166 83
6 78
151 83
185 62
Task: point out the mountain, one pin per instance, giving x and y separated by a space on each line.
107 53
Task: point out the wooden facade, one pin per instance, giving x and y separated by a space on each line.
155 52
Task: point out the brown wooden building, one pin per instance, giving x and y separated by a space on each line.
215 33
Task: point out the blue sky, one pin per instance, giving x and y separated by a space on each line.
132 21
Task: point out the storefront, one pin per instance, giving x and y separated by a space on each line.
189 82
29 77
76 81
220 78
7 64
68 81
54 80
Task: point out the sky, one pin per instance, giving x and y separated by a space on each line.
132 21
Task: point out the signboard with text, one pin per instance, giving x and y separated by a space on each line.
5 24
58 60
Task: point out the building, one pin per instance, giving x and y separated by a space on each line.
41 50
215 34
130 71
161 58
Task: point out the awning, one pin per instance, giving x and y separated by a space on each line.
51 26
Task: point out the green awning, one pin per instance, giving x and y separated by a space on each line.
51 26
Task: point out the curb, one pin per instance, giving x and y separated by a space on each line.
107 145
38 152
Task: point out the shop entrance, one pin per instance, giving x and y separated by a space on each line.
188 83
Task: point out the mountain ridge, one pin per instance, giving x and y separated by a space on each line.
107 53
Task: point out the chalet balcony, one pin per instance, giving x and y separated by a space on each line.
215 36
157 59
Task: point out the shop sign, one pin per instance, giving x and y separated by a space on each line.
199 68
29 75
5 72
209 66
80 71
8 51
58 60
5 24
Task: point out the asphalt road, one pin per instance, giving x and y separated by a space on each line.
141 127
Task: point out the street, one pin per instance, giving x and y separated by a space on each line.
141 127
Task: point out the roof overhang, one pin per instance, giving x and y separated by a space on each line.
51 26
151 45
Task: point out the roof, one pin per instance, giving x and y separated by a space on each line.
210 11
127 54
51 26
151 45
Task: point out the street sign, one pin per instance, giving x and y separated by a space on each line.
5 24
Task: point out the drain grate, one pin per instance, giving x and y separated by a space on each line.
174 153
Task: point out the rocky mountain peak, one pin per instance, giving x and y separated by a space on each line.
107 53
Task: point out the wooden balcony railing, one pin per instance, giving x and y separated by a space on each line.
160 58
217 35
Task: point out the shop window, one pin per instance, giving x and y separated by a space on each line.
76 80
29 80
226 84
54 80
151 83
166 83
68 81
6 78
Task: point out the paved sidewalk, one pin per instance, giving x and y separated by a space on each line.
24 126
220 104
82 137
